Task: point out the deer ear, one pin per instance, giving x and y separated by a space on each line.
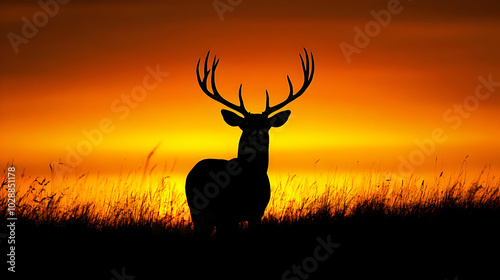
280 118
231 118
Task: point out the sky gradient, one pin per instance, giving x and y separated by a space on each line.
99 85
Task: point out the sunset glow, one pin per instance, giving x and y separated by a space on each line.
70 94
120 162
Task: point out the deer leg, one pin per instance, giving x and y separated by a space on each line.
202 226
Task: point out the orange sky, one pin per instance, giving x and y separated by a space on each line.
398 89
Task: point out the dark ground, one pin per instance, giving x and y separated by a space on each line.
449 245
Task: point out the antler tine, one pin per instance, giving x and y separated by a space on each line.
308 70
214 66
216 95
241 99
205 73
267 100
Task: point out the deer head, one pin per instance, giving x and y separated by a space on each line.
255 137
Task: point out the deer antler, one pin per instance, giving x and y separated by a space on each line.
308 76
216 95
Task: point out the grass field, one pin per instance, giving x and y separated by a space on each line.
93 226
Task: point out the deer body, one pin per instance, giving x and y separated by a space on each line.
222 193
244 198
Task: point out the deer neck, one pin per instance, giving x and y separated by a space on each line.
254 154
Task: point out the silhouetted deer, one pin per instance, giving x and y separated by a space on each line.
222 193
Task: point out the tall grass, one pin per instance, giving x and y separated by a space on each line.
154 199
126 200
379 194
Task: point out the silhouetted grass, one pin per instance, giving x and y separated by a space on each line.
125 203
395 228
